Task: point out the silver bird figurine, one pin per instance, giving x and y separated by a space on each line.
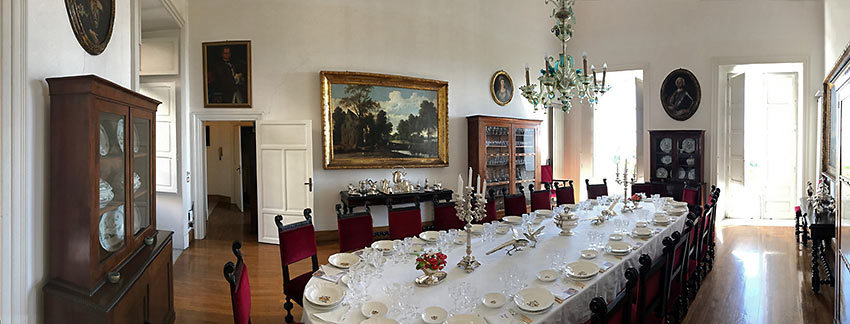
532 235
515 245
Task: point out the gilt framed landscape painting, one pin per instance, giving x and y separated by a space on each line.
383 121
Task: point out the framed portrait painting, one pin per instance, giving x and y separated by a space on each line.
92 22
383 121
501 88
834 126
227 74
680 94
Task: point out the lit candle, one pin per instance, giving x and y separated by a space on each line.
527 82
584 58
604 72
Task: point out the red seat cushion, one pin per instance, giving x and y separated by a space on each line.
241 296
294 289
405 223
355 232
445 217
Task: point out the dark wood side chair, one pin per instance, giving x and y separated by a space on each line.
297 242
619 310
490 207
404 221
445 215
596 190
645 188
650 304
240 289
515 204
564 192
692 276
354 228
676 290
540 199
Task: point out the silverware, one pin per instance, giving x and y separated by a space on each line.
521 316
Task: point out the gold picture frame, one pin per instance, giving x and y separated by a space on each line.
831 118
496 89
222 92
384 121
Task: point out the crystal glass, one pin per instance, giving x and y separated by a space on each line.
465 297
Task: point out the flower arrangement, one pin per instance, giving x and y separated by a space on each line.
636 198
431 261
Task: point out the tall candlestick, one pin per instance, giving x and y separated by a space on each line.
604 72
527 82
584 58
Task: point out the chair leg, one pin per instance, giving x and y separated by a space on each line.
288 306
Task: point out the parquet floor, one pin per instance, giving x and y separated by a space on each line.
760 276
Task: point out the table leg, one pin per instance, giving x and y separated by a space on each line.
815 266
806 234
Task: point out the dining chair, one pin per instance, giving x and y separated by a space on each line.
546 174
596 190
297 241
694 275
540 199
405 220
355 228
715 196
515 204
645 188
690 195
564 193
621 309
445 215
240 289
676 291
650 303
490 207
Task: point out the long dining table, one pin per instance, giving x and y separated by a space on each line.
486 278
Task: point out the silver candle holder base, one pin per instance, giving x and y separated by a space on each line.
468 263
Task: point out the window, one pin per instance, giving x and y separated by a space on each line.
615 127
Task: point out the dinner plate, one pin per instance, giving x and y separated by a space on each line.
112 229
544 213
618 248
466 319
385 246
640 224
460 239
661 220
615 237
534 299
548 275
582 269
106 194
642 231
434 315
343 260
512 219
679 204
494 300
324 294
119 131
104 142
374 309
476 229
589 253
430 236
379 320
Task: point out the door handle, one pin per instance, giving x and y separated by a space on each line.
309 183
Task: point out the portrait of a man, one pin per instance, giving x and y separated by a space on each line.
501 87
680 94
227 74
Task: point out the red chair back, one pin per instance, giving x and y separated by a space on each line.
596 190
240 289
355 228
650 303
490 207
445 215
540 199
619 310
297 242
564 193
515 204
690 196
404 221
546 174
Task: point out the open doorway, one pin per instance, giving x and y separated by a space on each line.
763 105
231 176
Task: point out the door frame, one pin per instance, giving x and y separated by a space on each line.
807 126
199 158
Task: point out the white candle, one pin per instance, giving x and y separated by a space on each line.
459 185
618 167
484 187
469 178
478 182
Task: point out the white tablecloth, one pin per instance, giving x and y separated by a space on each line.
486 278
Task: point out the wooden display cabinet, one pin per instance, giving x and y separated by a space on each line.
505 152
102 205
677 158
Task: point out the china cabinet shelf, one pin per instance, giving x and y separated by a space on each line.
518 134
677 159
524 154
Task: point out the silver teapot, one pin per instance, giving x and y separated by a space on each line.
398 176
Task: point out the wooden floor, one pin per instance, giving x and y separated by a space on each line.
760 276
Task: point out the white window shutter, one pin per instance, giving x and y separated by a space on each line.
166 134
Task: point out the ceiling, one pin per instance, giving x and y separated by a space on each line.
156 17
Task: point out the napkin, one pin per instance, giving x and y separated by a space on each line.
503 318
335 316
329 273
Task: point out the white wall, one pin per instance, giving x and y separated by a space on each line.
660 36
462 42
836 30
220 172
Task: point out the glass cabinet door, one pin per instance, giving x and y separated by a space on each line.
111 161
141 175
525 162
497 142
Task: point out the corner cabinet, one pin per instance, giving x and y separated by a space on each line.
102 202
677 158
506 152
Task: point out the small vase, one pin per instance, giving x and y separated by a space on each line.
431 277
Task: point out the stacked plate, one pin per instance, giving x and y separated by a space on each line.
429 236
661 220
534 300
512 219
544 213
343 260
106 193
642 232
476 229
324 295
582 270
385 246
618 248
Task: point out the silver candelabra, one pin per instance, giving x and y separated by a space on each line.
626 182
470 206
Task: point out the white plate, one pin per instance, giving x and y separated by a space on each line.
534 299
374 309
385 246
661 220
434 315
666 145
589 253
430 236
618 247
379 320
615 237
112 229
512 219
324 294
582 269
640 224
679 204
502 229
466 319
548 275
343 260
106 194
544 213
119 130
642 231
460 239
476 229
104 142
494 300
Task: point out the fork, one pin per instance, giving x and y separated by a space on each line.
520 315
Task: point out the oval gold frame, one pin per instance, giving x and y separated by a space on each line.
90 46
493 85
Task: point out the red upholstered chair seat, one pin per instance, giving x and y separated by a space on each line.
405 223
295 287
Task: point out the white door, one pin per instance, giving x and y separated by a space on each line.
780 160
284 174
738 208
237 163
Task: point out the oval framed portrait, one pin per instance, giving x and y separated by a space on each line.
680 94
502 87
92 22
